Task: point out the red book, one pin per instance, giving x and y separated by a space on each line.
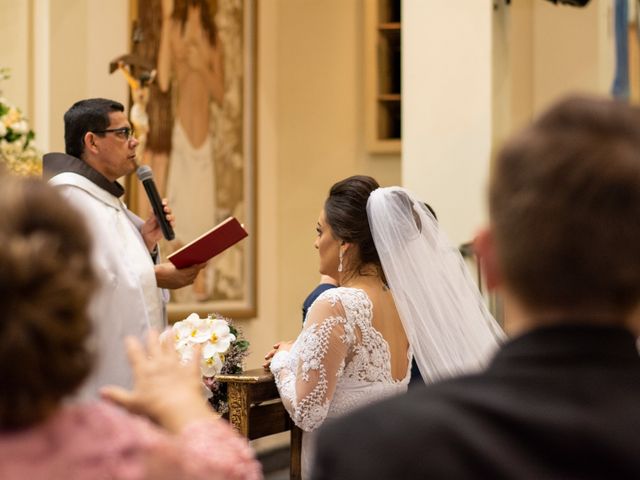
209 244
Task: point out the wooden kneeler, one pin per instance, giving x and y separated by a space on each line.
255 410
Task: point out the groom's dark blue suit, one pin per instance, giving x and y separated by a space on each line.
559 402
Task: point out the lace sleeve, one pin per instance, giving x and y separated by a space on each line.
306 376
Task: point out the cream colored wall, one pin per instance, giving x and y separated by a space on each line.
446 87
70 49
572 50
512 73
85 35
39 98
14 51
544 51
320 132
262 331
500 68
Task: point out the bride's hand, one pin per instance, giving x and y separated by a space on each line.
277 347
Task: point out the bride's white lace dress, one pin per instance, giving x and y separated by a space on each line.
339 362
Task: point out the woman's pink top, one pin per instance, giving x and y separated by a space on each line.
100 441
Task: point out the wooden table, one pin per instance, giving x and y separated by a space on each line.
256 411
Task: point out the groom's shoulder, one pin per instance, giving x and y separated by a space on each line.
383 439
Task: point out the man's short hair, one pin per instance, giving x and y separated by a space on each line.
565 209
86 116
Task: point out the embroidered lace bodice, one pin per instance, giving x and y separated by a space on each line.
338 362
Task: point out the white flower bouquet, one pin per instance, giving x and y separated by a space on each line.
223 351
17 152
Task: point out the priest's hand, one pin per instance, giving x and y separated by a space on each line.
168 276
151 231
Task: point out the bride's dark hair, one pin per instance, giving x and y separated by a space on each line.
346 213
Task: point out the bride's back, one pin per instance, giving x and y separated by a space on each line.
385 319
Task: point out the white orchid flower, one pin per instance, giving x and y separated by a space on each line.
214 336
181 333
192 329
210 366
3 129
200 329
220 336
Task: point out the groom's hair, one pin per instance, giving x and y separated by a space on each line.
565 209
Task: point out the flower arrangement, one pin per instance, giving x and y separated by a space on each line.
17 152
223 351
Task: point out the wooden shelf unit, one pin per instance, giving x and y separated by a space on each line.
383 103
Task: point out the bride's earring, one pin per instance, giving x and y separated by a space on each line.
340 255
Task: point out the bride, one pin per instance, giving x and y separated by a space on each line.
403 291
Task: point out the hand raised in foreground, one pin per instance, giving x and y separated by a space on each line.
165 390
168 276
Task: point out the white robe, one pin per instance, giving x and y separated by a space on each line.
128 300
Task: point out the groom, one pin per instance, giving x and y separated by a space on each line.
559 400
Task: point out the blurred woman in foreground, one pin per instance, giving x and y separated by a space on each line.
46 280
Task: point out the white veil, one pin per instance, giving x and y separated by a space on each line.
444 316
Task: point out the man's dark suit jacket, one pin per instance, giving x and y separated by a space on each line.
561 402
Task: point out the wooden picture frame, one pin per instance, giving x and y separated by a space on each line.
202 190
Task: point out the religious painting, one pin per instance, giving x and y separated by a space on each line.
197 134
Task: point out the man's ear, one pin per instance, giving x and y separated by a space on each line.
90 142
484 247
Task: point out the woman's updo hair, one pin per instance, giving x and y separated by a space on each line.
346 214
46 281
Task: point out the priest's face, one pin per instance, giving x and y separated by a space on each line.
116 148
328 247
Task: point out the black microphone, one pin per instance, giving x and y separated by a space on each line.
146 177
